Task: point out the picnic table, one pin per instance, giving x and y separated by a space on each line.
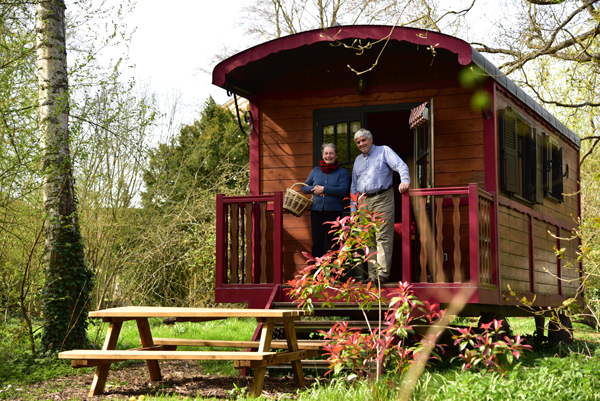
257 354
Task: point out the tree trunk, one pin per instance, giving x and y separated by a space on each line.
68 278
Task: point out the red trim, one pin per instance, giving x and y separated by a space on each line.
444 293
558 263
490 127
365 32
278 237
539 300
490 149
406 238
579 210
496 248
441 191
254 149
244 198
531 256
251 294
474 234
256 217
221 257
324 93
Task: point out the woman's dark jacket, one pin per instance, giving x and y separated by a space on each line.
337 185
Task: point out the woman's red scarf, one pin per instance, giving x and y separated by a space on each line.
328 168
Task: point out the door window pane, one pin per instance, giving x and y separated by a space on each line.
342 134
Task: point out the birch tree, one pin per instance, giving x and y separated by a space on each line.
68 279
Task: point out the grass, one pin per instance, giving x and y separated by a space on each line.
549 373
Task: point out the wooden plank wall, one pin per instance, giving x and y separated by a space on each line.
514 249
514 227
570 267
286 129
458 140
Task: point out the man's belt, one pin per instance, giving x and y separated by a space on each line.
378 192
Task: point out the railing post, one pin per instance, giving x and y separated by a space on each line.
406 239
495 244
256 242
278 237
221 259
474 234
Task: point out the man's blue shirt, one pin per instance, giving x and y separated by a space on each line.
373 172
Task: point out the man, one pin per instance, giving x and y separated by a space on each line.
372 175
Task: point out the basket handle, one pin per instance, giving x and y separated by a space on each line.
304 184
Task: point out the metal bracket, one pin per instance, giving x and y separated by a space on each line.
248 117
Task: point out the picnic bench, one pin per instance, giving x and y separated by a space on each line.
257 354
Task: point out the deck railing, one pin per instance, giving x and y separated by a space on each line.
455 236
454 243
248 227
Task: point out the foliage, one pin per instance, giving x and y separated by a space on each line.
68 278
208 155
394 349
274 19
354 246
490 350
389 346
67 296
168 245
21 208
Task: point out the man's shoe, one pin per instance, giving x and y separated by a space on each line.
367 281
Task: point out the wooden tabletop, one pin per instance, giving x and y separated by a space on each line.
154 311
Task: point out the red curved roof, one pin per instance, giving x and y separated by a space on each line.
362 32
269 66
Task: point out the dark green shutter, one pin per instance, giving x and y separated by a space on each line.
547 165
509 147
539 166
557 186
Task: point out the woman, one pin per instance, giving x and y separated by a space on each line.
329 183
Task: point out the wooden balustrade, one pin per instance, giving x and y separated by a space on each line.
455 235
242 253
454 241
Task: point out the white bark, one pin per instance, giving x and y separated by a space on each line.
58 194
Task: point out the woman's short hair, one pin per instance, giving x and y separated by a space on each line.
363 132
329 145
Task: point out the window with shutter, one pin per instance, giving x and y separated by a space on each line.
522 158
539 152
554 171
509 148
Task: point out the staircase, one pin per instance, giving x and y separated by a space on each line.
308 329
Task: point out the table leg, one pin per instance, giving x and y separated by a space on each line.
292 343
146 338
110 342
266 335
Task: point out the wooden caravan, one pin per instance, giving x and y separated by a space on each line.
495 182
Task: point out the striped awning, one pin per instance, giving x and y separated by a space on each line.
418 116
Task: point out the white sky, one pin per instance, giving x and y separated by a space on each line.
177 39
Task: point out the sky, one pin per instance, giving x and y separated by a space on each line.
176 40
175 43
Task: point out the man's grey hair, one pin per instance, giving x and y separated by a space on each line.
363 132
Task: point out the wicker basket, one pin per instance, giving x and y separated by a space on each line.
294 202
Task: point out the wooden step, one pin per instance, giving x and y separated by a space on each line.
314 345
350 310
164 355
